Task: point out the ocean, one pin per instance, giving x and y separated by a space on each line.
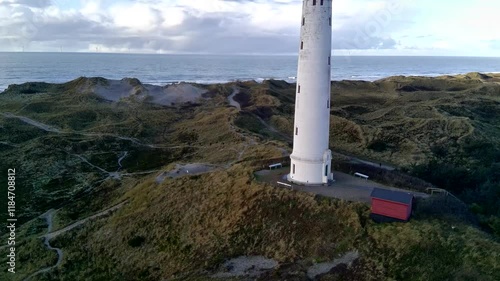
159 69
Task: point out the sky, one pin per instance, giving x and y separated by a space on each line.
360 27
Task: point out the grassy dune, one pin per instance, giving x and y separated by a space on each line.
184 228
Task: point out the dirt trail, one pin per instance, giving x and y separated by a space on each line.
32 122
46 241
354 159
92 165
249 140
116 174
322 268
250 266
52 129
271 128
8 144
200 168
50 235
231 100
121 159
82 221
350 157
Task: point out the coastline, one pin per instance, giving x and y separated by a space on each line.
291 80
90 153
210 69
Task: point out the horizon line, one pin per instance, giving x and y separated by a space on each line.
244 54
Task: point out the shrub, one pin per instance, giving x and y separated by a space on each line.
137 241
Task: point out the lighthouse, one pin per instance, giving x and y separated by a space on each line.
311 158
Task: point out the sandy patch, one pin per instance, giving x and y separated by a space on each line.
116 90
174 94
325 267
251 266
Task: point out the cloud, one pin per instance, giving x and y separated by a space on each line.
26 3
209 26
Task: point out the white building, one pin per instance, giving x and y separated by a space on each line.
311 157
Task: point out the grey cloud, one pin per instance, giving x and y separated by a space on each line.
72 30
210 33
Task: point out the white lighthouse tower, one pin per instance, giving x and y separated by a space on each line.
311 158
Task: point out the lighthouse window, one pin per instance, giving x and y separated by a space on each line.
330 21
321 2
298 89
314 2
329 60
328 104
303 20
296 131
293 170
326 171
302 45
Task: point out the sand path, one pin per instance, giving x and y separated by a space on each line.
251 266
49 215
82 221
325 267
32 122
231 100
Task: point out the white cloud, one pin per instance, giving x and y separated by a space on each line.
136 17
252 26
172 16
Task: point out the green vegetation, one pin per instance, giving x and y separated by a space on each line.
474 175
98 154
250 123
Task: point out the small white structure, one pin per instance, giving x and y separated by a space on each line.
311 157
285 184
361 175
275 166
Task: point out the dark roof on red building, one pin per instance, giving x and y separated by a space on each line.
392 195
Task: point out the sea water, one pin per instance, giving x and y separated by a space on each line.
161 69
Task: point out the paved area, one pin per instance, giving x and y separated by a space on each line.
346 187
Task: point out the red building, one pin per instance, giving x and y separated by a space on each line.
391 203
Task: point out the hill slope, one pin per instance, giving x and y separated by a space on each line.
80 153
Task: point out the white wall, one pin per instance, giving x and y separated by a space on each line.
312 108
